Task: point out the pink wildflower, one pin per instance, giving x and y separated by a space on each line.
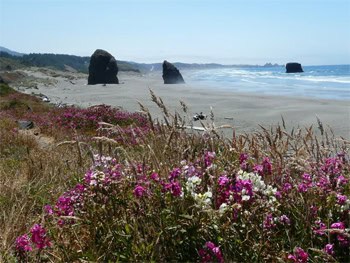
208 158
299 255
210 253
341 199
39 237
139 191
338 225
269 222
48 209
23 244
329 249
223 180
285 220
155 177
243 161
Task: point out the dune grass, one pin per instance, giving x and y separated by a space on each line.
118 186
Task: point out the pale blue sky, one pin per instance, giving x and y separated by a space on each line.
243 31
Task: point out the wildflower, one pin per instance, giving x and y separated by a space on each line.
285 220
269 222
139 191
329 249
39 237
320 229
287 187
338 225
48 209
23 244
243 161
299 255
174 174
155 177
267 167
223 180
208 158
210 253
341 199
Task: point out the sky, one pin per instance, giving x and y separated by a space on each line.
196 31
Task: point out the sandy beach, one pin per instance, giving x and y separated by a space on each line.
244 111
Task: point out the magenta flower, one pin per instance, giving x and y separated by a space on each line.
23 244
210 253
320 229
341 199
176 189
338 225
243 161
155 177
39 237
285 220
267 167
48 210
208 158
139 191
287 187
175 173
223 180
269 222
329 249
299 256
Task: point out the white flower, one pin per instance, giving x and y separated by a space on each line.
223 207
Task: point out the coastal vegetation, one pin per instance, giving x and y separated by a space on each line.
101 184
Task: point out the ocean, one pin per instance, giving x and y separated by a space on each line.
320 82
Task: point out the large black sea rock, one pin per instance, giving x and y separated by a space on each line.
103 68
171 75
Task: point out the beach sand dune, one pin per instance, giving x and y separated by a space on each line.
244 111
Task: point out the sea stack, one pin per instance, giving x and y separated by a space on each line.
171 75
103 68
293 67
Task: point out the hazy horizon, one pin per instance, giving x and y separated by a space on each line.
192 31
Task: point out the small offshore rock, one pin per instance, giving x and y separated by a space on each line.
293 67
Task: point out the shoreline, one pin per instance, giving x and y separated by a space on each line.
245 111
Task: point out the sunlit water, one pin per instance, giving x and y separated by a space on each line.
323 82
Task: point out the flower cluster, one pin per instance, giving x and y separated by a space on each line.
210 253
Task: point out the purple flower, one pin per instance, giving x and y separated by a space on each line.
320 229
329 249
302 187
210 253
155 177
287 187
175 173
243 161
285 220
139 191
267 167
208 158
341 199
338 225
299 255
48 209
23 244
269 222
223 180
39 237
176 189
